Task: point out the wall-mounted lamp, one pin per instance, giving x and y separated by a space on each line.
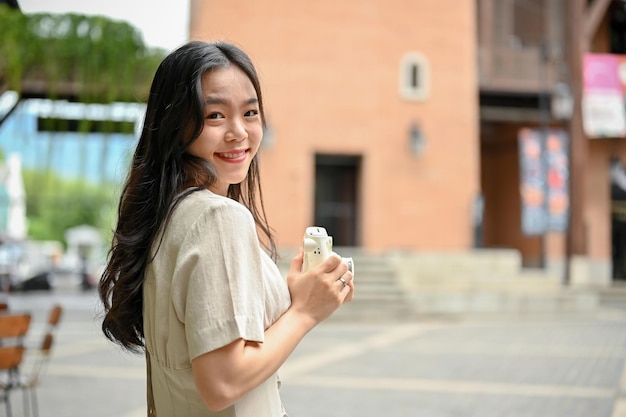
417 142
562 104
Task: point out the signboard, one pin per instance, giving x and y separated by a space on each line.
603 104
544 180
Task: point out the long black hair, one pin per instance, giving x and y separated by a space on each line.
162 173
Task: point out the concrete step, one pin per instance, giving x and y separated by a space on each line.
381 295
525 281
527 291
614 296
615 291
494 302
378 296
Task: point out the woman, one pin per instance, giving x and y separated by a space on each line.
187 278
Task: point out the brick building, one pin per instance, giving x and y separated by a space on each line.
372 113
528 49
392 123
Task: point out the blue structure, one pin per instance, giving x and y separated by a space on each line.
95 157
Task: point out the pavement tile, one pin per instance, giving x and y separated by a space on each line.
561 366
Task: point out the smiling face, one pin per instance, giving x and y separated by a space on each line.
233 128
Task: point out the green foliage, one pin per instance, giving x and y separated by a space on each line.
55 204
92 57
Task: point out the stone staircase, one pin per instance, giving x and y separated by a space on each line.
520 296
378 295
406 287
485 282
613 296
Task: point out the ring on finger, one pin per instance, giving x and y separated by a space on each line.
343 281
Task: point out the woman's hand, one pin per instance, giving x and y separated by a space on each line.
318 292
226 374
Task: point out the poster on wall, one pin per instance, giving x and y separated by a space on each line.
603 103
544 180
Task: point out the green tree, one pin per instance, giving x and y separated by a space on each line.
92 59
55 204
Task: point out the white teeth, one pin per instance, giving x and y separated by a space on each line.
231 155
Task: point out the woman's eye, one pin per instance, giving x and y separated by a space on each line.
251 113
214 116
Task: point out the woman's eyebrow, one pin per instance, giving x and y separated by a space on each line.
219 100
214 100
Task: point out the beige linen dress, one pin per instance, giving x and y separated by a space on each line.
209 284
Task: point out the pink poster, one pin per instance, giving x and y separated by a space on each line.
603 105
600 72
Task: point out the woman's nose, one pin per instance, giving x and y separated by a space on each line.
237 130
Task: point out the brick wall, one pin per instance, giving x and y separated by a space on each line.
330 73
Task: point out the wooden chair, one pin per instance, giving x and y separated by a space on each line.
13 328
28 382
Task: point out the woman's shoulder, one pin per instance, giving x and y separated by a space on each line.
203 215
203 203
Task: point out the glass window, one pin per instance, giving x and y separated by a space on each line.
414 77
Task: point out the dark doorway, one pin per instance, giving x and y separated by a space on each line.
618 241
336 197
617 28
618 219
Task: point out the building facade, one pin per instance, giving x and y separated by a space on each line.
372 115
398 125
528 52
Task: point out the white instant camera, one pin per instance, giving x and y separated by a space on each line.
317 247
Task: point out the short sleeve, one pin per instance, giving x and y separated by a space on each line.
217 284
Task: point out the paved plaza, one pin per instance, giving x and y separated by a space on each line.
559 366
